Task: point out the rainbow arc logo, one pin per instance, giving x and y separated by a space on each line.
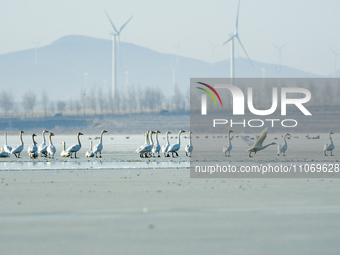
209 93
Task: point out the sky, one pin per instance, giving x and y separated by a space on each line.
309 27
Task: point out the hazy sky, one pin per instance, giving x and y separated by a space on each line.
310 27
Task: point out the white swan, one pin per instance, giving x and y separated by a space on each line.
64 153
147 147
329 146
156 147
140 149
32 150
166 146
175 147
51 148
188 148
90 153
283 147
7 148
18 149
42 149
76 147
3 153
99 147
229 147
257 146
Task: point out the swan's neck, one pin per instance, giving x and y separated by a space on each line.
189 137
5 138
157 137
146 139
33 140
151 141
43 136
91 145
167 138
63 146
78 140
101 137
229 137
330 138
179 137
284 139
50 139
268 145
21 138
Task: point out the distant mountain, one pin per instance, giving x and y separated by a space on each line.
62 64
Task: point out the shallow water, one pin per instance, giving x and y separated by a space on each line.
119 152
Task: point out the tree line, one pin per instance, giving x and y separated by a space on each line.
96 101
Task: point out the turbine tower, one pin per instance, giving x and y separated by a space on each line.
213 51
335 55
279 49
232 44
115 39
36 51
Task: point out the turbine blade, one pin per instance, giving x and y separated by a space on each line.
333 51
275 46
125 24
229 40
238 11
111 22
244 50
283 45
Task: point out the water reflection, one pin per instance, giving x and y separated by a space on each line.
36 165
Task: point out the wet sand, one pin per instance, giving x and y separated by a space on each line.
163 211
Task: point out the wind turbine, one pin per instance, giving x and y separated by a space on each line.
115 38
335 55
36 51
231 40
279 49
177 50
173 81
213 51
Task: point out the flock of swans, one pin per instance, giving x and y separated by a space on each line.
151 148
282 148
49 150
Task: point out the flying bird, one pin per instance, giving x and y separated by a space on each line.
257 146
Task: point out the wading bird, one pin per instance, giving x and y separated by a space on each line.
51 148
42 149
76 147
175 147
188 148
229 147
7 148
99 147
166 146
32 150
64 153
3 153
89 153
283 147
329 146
18 149
144 149
156 147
